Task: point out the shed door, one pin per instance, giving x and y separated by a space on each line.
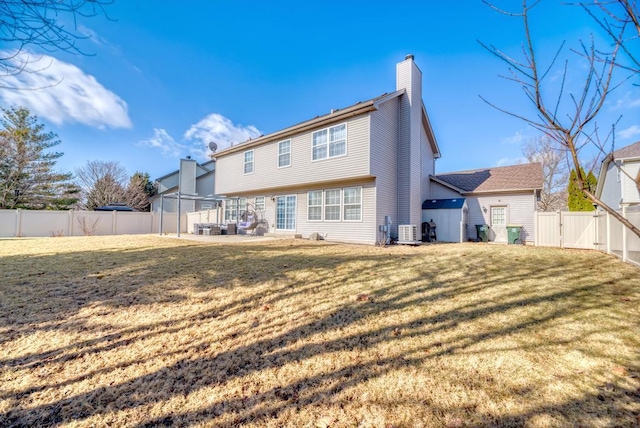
499 223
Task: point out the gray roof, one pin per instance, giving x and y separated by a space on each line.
515 177
632 151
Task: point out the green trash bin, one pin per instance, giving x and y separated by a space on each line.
513 234
483 232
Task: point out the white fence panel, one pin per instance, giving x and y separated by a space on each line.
633 242
578 230
43 223
133 223
8 219
548 229
92 223
616 230
602 234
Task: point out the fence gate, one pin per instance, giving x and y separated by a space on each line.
567 230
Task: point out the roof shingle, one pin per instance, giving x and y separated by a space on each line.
632 151
515 177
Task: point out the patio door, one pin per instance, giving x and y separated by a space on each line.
499 223
286 212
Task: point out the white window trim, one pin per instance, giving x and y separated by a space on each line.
279 154
295 213
321 206
346 145
324 206
244 162
361 204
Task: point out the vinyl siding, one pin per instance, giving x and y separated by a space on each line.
384 161
231 179
630 193
611 189
427 166
438 191
520 211
361 232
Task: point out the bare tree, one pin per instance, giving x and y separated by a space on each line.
40 24
567 118
554 169
139 191
102 183
620 19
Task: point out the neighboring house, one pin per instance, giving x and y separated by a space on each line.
198 179
340 174
619 177
497 196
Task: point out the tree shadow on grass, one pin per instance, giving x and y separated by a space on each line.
209 365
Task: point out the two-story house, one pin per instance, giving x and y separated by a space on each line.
340 174
619 177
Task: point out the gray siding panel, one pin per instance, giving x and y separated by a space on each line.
612 189
520 211
630 193
384 161
438 191
303 170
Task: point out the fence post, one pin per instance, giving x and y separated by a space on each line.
536 222
596 238
560 228
18 223
114 220
70 226
608 233
624 235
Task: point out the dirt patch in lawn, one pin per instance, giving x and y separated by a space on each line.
147 331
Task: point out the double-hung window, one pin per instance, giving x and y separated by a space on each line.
248 162
284 153
259 203
314 205
352 203
330 142
332 205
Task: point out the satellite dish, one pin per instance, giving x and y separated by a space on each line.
213 146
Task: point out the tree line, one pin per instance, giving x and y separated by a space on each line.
29 179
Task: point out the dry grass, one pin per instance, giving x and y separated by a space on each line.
147 331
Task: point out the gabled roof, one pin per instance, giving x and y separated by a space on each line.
496 179
629 152
337 115
443 204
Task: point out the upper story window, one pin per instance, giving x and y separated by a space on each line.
284 153
330 142
248 162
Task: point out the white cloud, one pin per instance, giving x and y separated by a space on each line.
164 142
217 128
516 139
627 101
631 132
62 93
213 127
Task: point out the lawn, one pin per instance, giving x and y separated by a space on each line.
151 331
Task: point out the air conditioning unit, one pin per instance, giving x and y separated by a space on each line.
408 234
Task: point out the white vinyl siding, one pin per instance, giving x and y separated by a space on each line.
286 212
352 204
332 205
330 142
303 170
284 153
630 192
248 162
314 205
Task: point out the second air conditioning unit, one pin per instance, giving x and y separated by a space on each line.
408 234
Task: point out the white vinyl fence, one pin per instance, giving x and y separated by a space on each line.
596 230
27 223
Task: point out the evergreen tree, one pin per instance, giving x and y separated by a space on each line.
578 201
27 176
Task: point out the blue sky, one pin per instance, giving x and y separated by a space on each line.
162 81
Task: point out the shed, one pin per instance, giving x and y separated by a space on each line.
451 217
